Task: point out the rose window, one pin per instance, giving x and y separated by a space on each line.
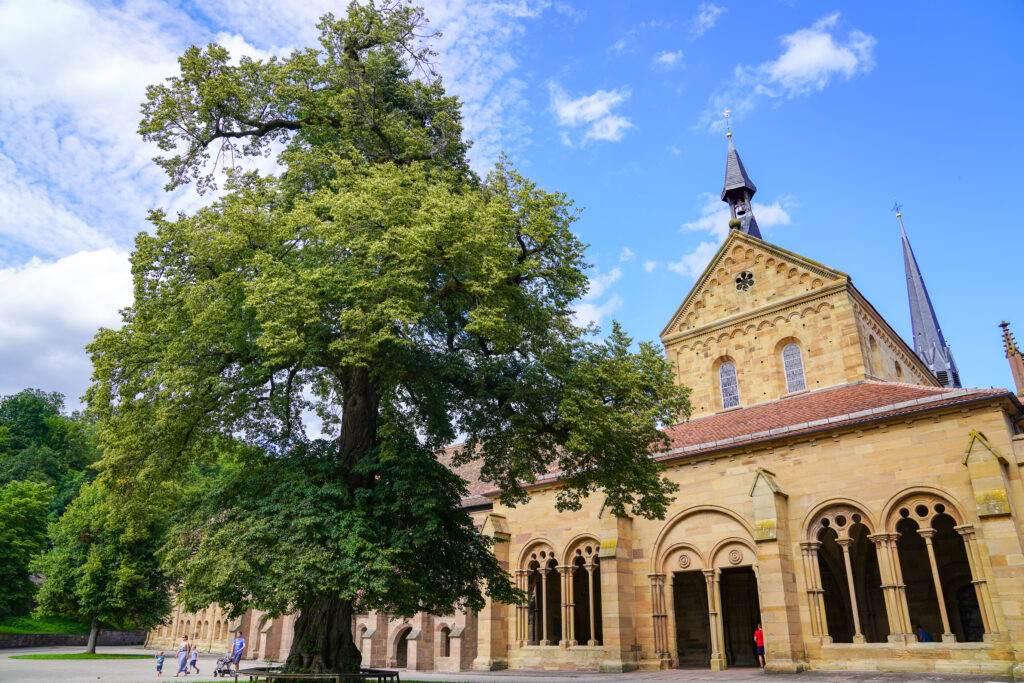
744 281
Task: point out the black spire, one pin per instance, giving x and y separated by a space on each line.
738 191
929 344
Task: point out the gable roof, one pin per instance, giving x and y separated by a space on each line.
733 237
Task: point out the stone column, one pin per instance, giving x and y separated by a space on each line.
590 567
928 536
568 607
659 615
809 550
844 543
977 576
544 571
492 622
711 576
522 611
893 590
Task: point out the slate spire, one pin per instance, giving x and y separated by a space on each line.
1014 355
929 344
739 189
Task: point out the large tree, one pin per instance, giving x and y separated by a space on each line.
103 565
23 516
379 291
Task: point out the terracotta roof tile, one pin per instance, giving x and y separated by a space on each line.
863 401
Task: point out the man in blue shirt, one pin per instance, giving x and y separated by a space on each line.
237 647
923 636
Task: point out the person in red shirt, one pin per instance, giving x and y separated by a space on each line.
759 641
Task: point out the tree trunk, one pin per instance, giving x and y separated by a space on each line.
323 641
94 634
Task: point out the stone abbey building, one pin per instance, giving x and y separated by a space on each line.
837 486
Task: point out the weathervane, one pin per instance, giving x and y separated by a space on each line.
897 209
728 131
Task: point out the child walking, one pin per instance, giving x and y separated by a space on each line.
194 655
160 663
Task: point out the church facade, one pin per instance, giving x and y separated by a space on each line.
837 487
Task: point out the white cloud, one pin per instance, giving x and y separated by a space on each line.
564 8
707 16
714 221
51 310
811 59
715 215
675 150
649 266
626 255
594 110
589 309
76 180
693 264
668 60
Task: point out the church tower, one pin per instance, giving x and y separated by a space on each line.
929 344
738 190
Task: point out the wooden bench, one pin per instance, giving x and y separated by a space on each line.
378 675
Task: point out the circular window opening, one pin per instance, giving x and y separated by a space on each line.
940 508
904 512
840 521
744 281
856 518
921 511
826 523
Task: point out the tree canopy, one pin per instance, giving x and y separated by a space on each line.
334 325
40 443
23 517
103 565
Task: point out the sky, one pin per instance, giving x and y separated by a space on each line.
836 109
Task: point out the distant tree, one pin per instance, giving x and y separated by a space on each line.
381 286
24 511
103 565
38 442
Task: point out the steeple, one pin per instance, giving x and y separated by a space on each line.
1014 355
739 189
929 344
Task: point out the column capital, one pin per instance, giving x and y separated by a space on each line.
544 570
844 543
965 530
926 534
564 569
590 567
810 545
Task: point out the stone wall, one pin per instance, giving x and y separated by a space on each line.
19 640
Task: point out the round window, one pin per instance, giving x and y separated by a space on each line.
744 281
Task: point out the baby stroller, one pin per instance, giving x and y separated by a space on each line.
224 666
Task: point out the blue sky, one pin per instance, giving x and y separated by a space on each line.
836 109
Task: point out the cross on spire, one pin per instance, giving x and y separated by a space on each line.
738 189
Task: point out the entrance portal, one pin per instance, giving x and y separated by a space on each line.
741 613
693 629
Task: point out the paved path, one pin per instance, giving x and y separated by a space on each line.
135 670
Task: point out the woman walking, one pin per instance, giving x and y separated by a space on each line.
183 656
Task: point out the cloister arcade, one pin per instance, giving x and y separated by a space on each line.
920 568
564 597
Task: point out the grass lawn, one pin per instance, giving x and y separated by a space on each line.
81 655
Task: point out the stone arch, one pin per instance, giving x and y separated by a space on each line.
532 552
913 497
400 645
680 517
945 590
733 551
444 640
681 556
843 572
579 542
832 508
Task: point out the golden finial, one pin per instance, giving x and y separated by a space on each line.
897 209
728 131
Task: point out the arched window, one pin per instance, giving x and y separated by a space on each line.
446 642
794 367
730 386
